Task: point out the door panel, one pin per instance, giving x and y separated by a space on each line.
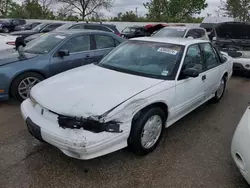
80 54
189 94
213 72
190 91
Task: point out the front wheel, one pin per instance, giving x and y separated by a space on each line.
21 86
146 131
221 90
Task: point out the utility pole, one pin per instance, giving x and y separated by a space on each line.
136 11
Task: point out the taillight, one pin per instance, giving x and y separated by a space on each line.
10 43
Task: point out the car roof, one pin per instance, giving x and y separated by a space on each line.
171 40
79 31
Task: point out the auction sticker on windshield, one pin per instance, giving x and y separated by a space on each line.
167 50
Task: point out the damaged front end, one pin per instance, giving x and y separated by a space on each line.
89 124
233 38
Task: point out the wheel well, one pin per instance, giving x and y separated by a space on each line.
21 74
160 105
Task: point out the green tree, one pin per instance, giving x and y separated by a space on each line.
30 9
46 6
237 9
4 7
174 10
16 11
129 16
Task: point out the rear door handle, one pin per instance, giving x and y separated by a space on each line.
204 77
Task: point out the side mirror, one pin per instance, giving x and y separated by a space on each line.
62 53
190 72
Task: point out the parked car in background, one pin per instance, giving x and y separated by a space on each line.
234 39
209 23
41 28
9 25
240 145
51 54
182 32
90 26
7 41
79 26
128 98
141 31
27 26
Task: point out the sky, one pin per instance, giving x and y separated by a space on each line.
127 5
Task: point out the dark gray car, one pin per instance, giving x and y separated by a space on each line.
51 54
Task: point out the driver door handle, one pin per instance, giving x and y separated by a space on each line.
204 77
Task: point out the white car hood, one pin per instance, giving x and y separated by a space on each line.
89 90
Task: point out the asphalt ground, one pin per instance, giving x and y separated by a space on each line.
194 152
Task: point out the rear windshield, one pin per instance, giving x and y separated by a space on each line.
113 27
233 31
170 32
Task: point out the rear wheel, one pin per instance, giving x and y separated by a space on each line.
21 86
146 131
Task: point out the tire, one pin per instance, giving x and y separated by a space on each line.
219 94
18 82
135 140
6 30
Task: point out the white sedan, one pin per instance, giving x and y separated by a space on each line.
142 86
240 145
7 41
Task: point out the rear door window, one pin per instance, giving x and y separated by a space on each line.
77 44
104 41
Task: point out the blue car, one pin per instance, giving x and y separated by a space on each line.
48 55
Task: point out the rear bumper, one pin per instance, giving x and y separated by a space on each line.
76 143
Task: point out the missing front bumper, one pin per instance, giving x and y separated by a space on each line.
88 124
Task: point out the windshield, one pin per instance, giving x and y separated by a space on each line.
170 32
39 27
129 30
44 43
150 59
